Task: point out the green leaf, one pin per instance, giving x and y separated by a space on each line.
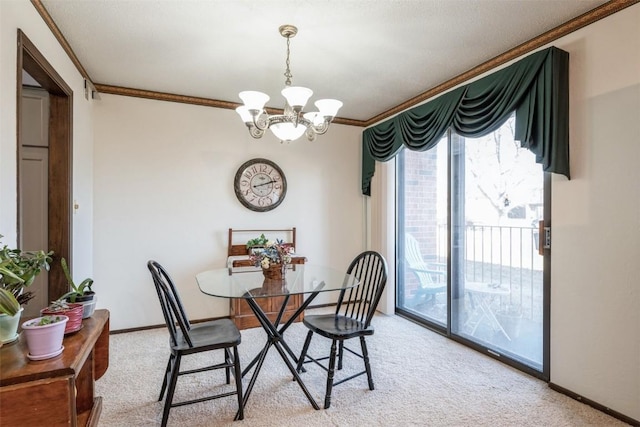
8 303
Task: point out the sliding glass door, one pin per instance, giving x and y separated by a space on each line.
468 264
422 233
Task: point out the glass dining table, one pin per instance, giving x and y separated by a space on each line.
249 284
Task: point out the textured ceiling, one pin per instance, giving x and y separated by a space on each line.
371 54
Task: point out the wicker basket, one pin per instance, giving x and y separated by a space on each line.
274 272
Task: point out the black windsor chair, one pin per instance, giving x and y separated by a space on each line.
352 318
189 339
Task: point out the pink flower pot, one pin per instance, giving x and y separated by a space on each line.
44 341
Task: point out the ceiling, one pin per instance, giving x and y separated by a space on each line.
371 54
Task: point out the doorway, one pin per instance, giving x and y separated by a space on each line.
34 184
59 164
469 258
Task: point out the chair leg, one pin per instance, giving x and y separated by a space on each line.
167 372
303 354
331 372
367 365
227 361
171 389
238 376
340 354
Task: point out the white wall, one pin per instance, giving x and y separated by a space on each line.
21 14
595 287
595 273
164 190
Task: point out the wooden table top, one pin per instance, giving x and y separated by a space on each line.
16 368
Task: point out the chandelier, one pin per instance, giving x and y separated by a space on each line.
290 125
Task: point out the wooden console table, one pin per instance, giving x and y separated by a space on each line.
57 391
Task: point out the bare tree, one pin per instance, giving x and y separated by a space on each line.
500 171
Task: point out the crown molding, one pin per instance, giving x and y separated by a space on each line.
560 31
60 37
171 97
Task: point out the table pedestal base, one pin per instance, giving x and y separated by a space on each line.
275 338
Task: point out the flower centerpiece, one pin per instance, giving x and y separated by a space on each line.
273 259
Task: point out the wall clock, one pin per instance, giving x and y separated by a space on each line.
260 185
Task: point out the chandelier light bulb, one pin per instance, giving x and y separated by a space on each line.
314 117
297 96
287 132
328 107
254 100
244 113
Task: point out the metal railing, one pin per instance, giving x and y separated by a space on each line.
504 255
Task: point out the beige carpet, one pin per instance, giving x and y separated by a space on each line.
421 379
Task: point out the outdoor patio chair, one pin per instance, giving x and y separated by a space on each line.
432 279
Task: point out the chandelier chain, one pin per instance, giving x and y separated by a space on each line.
287 73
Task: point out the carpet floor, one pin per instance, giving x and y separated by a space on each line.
421 379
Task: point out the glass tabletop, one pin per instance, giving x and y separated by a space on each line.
250 282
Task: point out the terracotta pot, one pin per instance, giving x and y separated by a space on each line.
74 313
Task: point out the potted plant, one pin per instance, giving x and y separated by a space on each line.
79 293
18 270
10 311
44 336
256 243
73 311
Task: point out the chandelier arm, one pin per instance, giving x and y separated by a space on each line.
254 131
310 133
322 128
305 122
261 122
283 118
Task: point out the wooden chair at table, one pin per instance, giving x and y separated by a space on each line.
187 339
352 319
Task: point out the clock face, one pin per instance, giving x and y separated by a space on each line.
260 185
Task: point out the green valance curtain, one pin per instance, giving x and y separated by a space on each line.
536 88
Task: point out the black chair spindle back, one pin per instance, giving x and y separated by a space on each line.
360 302
172 308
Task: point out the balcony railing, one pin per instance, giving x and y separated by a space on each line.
503 255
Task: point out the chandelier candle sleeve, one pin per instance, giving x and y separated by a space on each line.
292 124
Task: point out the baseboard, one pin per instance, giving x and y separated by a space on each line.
595 405
144 328
141 328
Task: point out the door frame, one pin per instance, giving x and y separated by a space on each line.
34 63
